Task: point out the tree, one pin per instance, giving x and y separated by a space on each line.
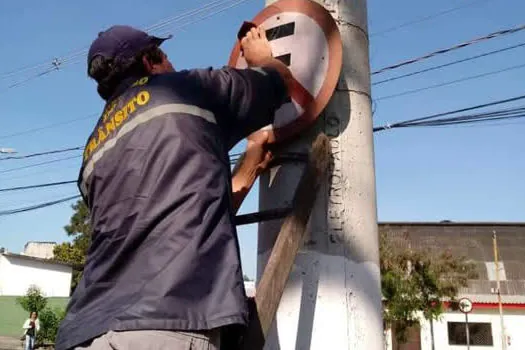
49 318
49 322
75 252
34 300
416 281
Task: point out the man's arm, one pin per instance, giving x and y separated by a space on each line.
245 100
252 163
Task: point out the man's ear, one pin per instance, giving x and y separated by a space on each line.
147 65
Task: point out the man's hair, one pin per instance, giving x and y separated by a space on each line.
109 73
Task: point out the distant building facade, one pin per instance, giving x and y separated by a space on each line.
42 250
474 241
33 267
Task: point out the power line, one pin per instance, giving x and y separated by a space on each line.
40 172
487 116
413 91
442 114
425 18
471 58
232 156
37 206
518 113
190 14
49 126
38 164
452 48
463 120
78 53
233 159
43 153
511 113
57 63
51 184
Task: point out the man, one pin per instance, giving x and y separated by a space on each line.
163 269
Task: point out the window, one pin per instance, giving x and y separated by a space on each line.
480 333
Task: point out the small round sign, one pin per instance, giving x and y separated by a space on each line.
305 37
465 305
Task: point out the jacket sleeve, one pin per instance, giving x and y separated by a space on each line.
26 324
37 325
244 100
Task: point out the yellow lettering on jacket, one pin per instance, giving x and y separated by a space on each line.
141 81
112 120
142 98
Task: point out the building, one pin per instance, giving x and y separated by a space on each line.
474 241
33 267
42 250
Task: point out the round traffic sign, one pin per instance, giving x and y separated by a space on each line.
465 305
305 37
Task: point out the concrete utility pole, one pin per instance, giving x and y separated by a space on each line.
333 295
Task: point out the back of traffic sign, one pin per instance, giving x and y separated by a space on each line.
305 37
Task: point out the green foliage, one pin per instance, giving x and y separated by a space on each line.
417 281
75 252
49 322
246 278
49 319
34 300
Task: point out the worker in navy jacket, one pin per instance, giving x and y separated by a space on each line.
163 270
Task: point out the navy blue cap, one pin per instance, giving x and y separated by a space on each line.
121 41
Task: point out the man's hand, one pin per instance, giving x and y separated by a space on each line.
254 161
256 47
257 155
258 53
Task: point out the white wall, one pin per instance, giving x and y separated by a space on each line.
42 250
17 274
514 321
3 265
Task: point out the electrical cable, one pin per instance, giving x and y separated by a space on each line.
437 115
56 63
233 159
426 18
31 155
38 164
51 184
489 104
70 149
188 13
473 77
448 64
452 48
49 126
502 114
38 206
511 113
40 172
78 53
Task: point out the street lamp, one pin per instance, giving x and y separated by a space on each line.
7 150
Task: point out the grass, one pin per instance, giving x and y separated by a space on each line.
12 316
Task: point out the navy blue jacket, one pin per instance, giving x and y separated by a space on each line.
157 180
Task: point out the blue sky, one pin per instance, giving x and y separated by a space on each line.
454 173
